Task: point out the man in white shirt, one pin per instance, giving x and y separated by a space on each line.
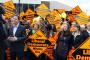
17 35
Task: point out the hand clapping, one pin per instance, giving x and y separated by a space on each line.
12 38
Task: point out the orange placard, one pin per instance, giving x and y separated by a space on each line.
54 12
42 10
76 10
51 18
39 43
86 44
9 14
29 11
71 18
9 6
83 51
29 15
61 11
82 18
50 49
55 20
39 35
21 15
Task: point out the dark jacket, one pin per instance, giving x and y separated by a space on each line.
21 36
3 33
79 39
64 43
85 34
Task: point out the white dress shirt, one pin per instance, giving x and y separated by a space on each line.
15 29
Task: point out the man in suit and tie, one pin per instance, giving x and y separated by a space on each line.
17 35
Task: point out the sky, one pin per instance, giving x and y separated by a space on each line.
84 4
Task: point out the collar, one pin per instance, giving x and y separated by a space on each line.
17 25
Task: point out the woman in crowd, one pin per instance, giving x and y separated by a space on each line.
77 35
64 43
65 20
84 32
28 54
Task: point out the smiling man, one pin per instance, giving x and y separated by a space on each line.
17 35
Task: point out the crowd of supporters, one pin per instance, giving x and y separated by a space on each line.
14 34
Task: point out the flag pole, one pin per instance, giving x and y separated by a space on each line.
34 7
19 6
19 10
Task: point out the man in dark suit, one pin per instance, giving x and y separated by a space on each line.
17 35
3 34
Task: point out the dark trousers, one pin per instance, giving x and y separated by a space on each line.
2 54
58 57
20 55
29 55
2 51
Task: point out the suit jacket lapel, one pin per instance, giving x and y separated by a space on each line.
11 31
17 30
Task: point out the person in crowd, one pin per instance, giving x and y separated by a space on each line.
78 36
42 25
64 43
74 23
84 32
64 20
29 55
24 22
51 28
83 27
3 34
17 35
46 19
8 24
51 33
35 27
27 25
36 18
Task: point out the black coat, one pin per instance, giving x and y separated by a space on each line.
3 33
64 43
21 36
85 34
79 39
